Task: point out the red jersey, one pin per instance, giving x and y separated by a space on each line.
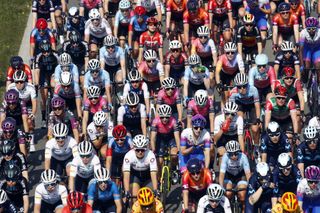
176 9
285 26
188 183
85 209
201 17
176 63
148 41
26 69
219 10
293 89
299 11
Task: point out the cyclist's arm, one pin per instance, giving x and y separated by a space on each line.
257 106
275 34
158 8
260 47
186 33
168 18
34 106
296 32
185 195
154 179
25 122
223 167
79 108
240 46
177 138
207 157
161 55
34 19
153 136
54 25
25 203
109 158
180 111
73 172
218 70
255 196
85 121
185 86
293 114
123 68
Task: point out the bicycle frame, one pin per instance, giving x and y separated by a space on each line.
165 184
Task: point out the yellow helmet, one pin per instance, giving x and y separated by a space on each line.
289 202
145 196
248 18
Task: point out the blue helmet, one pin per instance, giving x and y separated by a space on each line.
198 121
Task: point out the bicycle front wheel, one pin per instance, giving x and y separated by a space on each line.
165 185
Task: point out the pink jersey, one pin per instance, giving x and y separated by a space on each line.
164 129
230 67
151 74
163 98
194 109
101 105
90 4
204 50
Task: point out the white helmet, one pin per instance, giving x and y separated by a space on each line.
73 11
134 75
140 142
230 107
124 4
286 46
60 130
93 64
49 176
262 169
215 192
232 146
85 148
101 174
175 44
100 118
3 196
150 55
310 132
132 99
194 59
65 78
65 59
164 110
94 14
240 79
168 83
284 160
230 47
110 40
93 92
203 31
201 97
273 127
19 75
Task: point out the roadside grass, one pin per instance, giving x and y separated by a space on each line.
13 20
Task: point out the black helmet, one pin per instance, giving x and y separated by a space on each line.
16 62
74 36
194 165
45 46
12 172
8 147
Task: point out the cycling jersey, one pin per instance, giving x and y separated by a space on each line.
36 38
248 38
307 156
112 59
73 70
93 133
176 63
17 191
136 26
278 209
263 79
86 208
285 26
17 159
149 4
27 94
84 170
90 4
310 42
101 105
151 74
129 119
67 118
114 149
148 41
17 113
284 62
79 26
122 21
43 11
68 149
47 64
176 9
18 137
141 91
236 125
219 11
42 194
164 129
299 11
172 100
201 17
77 51
205 110
309 197
204 50
235 167
136 208
25 68
133 164
190 184
72 92
100 31
230 67
280 112
251 96
293 89
286 183
9 207
196 78
102 80
205 207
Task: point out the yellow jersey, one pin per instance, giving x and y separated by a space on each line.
137 209
278 209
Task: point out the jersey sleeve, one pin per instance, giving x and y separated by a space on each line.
126 163
73 168
153 162
91 190
224 161
37 195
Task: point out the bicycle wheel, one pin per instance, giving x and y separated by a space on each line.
48 105
314 100
249 146
165 185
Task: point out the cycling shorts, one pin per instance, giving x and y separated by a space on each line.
112 70
123 31
263 92
235 179
81 184
113 8
49 208
250 109
136 35
116 165
286 124
45 78
104 206
207 61
60 166
193 88
311 55
95 40
235 6
176 74
226 79
262 23
142 178
263 203
163 142
226 138
152 13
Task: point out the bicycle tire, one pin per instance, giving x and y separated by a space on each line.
249 147
307 7
165 185
314 100
48 106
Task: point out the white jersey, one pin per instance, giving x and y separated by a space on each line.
306 39
236 126
61 153
149 4
204 205
192 140
84 170
131 161
304 191
235 167
27 93
100 31
127 88
42 194
93 132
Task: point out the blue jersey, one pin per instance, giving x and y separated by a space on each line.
121 20
138 27
250 97
307 156
101 81
111 193
73 70
112 59
254 9
120 149
286 183
80 26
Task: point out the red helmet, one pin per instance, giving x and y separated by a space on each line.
75 200
152 20
41 24
119 131
139 10
288 72
280 91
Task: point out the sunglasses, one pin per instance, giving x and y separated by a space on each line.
11 179
242 86
56 108
228 113
214 201
287 52
230 53
164 118
134 82
8 132
120 139
195 173
202 37
312 141
311 28
66 86
140 150
10 103
60 138
86 156
124 10
284 12
149 61
42 31
248 25
198 127
230 154
101 182
288 168
151 24
288 78
167 89
19 82
7 153
281 98
111 47
50 185
261 66
91 98
148 207
95 71
133 107
293 3
313 181
175 50
95 19
194 65
274 134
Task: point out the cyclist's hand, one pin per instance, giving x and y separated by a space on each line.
275 47
303 116
266 185
106 15
31 61
219 87
168 33
296 138
157 193
31 116
225 126
185 101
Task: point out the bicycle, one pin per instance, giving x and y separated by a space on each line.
117 98
236 205
248 141
313 91
165 184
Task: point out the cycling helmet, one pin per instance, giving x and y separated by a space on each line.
19 75
273 127
140 10
194 59
230 107
289 202
65 59
9 124
3 196
294 1
312 173
93 92
134 75
132 99
201 97
262 169
215 192
198 121
280 91
45 46
168 83
110 40
85 148
261 59
203 31
124 4
152 20
100 118
140 141
284 160
194 165
16 62
75 200
248 18
73 11
312 22
310 132
150 55
175 44
230 47
93 64
60 130
192 5
49 176
94 14
164 110
145 196
232 146
286 46
65 78
74 37
12 172
119 131
12 96
8 147
101 174
288 72
57 102
240 79
283 7
41 24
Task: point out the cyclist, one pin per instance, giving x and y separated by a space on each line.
66 65
6 204
289 203
112 58
87 5
234 171
16 187
195 181
214 200
49 195
195 143
309 150
174 15
147 202
273 143
76 204
139 167
153 8
299 10
82 168
75 22
16 63
308 192
262 77
118 146
44 10
60 150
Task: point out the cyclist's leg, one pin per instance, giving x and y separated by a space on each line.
263 27
228 186
242 184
